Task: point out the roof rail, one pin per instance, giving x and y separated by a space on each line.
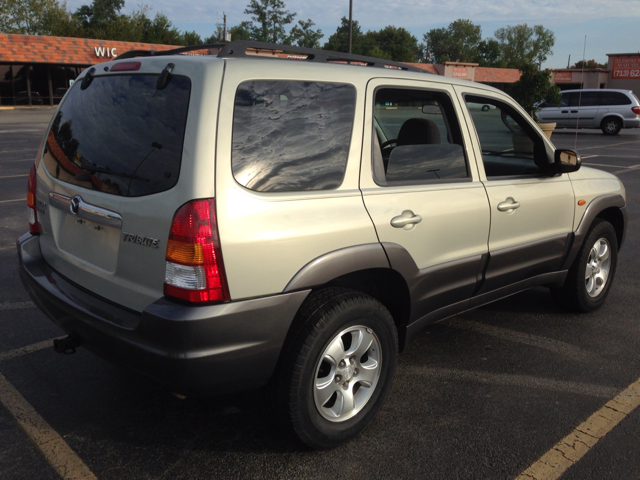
238 48
173 51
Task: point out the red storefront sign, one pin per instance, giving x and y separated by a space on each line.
562 77
626 67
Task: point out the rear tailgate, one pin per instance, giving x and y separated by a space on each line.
108 175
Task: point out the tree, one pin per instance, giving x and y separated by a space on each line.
241 31
459 42
339 41
29 17
489 54
534 85
588 64
303 36
269 19
396 43
521 44
390 43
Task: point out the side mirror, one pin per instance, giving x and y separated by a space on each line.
567 161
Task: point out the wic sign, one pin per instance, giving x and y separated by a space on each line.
105 52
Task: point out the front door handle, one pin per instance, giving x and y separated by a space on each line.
407 220
508 205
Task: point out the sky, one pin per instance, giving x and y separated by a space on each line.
610 26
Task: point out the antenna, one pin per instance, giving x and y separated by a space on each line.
584 50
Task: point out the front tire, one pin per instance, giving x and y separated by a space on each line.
338 370
591 275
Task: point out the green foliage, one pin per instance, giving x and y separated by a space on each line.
489 54
521 44
268 20
30 17
588 64
303 35
534 85
241 31
390 43
396 43
339 41
459 42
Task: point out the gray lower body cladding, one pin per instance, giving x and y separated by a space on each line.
202 349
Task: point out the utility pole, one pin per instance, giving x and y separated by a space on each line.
224 28
350 22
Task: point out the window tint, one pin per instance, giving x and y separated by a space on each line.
587 99
120 135
615 98
510 146
564 99
417 137
291 136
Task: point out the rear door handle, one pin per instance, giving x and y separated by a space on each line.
508 204
407 220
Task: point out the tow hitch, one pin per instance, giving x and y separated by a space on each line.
66 345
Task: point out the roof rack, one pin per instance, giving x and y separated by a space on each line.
238 49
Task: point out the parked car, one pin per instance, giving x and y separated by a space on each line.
236 221
609 110
22 98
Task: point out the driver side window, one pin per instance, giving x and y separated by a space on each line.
510 146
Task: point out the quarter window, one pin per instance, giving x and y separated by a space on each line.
290 135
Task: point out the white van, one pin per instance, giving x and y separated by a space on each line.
609 110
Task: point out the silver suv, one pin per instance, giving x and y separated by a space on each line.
227 222
609 110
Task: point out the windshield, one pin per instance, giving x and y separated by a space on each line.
120 135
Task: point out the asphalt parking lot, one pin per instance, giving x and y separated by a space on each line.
485 394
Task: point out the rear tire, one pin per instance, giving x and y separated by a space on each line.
337 371
591 275
611 126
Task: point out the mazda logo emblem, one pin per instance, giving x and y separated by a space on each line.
75 205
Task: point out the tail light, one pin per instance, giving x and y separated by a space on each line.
34 226
636 110
194 269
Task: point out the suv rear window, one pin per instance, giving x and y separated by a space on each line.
120 135
291 135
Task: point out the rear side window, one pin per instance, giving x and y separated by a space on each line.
615 98
291 135
120 135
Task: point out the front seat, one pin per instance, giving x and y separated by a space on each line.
418 131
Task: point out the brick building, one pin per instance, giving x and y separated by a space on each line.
38 70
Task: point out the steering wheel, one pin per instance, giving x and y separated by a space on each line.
388 142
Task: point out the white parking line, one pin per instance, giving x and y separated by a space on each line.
555 346
15 176
52 446
16 305
522 381
57 452
14 200
604 165
18 352
574 446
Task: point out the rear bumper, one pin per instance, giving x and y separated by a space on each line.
204 349
632 122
